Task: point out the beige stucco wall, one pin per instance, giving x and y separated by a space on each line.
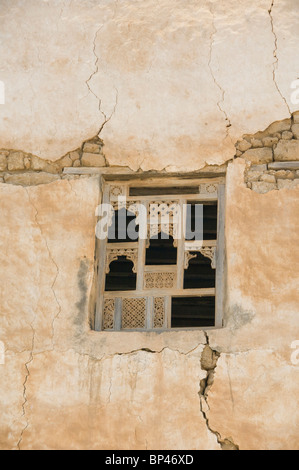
64 386
169 78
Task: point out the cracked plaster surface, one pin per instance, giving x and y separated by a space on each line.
58 374
275 64
157 80
75 361
84 383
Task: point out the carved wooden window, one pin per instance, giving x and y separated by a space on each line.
163 275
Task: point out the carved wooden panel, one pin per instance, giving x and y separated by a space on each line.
108 315
159 312
208 189
164 209
114 253
188 257
123 203
159 280
133 313
116 192
210 252
206 251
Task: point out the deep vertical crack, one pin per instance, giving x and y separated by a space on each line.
209 361
275 63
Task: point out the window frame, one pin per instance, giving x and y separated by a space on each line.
107 181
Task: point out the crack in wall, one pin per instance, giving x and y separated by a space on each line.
220 102
275 63
52 260
25 390
107 119
209 362
135 351
97 59
95 72
150 351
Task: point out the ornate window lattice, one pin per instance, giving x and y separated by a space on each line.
168 291
164 209
108 316
159 280
133 313
159 312
123 203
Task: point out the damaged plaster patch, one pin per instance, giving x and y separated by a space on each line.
238 317
83 289
209 361
275 63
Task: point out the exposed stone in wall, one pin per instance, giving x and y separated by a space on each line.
278 142
272 156
265 178
20 168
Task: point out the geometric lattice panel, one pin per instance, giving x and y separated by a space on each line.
133 313
108 315
159 312
159 280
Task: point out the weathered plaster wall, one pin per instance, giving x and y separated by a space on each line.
64 386
254 396
160 79
165 85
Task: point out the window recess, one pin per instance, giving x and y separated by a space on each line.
160 267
